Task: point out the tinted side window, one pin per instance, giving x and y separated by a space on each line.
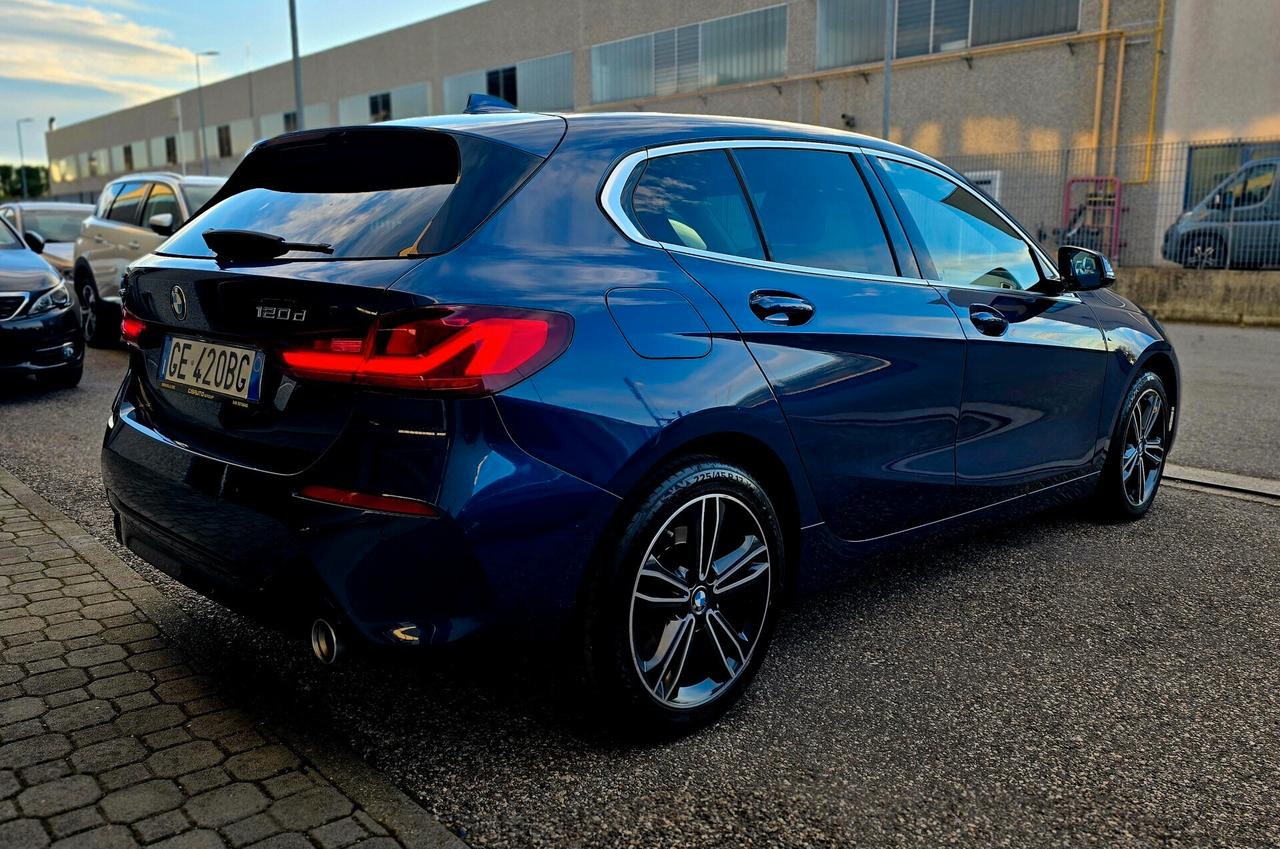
125 208
161 200
815 210
108 195
967 241
695 200
1257 185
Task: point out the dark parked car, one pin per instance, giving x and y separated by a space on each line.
1237 225
40 329
638 376
54 224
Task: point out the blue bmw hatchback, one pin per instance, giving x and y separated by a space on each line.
638 374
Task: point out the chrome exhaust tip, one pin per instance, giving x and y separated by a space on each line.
325 644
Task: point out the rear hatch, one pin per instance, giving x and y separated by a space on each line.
363 206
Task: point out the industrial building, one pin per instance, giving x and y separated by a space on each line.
1091 87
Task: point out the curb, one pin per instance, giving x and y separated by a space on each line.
410 823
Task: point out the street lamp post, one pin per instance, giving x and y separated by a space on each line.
890 17
204 146
299 120
22 164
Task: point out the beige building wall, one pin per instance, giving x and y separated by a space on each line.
1035 95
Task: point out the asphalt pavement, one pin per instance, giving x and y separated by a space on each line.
1231 410
1050 683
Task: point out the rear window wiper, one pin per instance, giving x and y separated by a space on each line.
251 244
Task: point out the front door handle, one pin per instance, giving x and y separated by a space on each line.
98 240
988 321
781 308
134 245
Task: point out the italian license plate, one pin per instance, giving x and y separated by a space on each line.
207 369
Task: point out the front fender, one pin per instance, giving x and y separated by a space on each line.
1135 342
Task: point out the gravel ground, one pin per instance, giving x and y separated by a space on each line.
1231 412
1051 683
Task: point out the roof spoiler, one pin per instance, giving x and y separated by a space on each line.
484 104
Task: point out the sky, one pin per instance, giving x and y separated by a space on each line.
73 60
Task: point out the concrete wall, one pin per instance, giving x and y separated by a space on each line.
1221 297
1035 95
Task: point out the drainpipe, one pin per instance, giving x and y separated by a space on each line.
1096 136
1155 85
1115 106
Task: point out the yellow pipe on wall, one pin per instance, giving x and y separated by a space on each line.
1155 85
1095 137
1115 105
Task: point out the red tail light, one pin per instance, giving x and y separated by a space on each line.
471 350
131 328
368 501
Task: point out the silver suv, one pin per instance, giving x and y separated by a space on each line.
134 215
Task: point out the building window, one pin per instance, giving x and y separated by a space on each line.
535 85
290 122
501 82
988 181
851 32
171 150
739 48
224 141
128 157
380 107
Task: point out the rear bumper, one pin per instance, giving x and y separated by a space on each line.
511 542
35 344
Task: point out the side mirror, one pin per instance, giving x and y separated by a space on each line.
34 241
161 223
1084 270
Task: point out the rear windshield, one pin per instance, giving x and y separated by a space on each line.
198 195
369 192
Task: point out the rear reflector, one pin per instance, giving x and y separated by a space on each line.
470 350
131 328
368 501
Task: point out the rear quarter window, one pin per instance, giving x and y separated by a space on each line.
695 200
368 192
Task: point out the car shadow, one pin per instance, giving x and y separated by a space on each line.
524 691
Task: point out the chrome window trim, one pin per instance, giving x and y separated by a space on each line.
612 202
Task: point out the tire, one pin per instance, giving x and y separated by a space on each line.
67 377
673 636
1132 475
96 315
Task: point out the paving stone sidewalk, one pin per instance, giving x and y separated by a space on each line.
109 738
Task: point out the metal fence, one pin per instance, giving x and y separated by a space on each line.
1197 204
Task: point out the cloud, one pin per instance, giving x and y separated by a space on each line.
64 44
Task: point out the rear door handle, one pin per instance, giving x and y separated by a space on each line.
134 245
781 308
98 240
988 321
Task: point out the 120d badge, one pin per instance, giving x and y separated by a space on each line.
281 312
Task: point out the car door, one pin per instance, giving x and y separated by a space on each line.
91 244
120 233
161 200
865 360
1254 223
1035 363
